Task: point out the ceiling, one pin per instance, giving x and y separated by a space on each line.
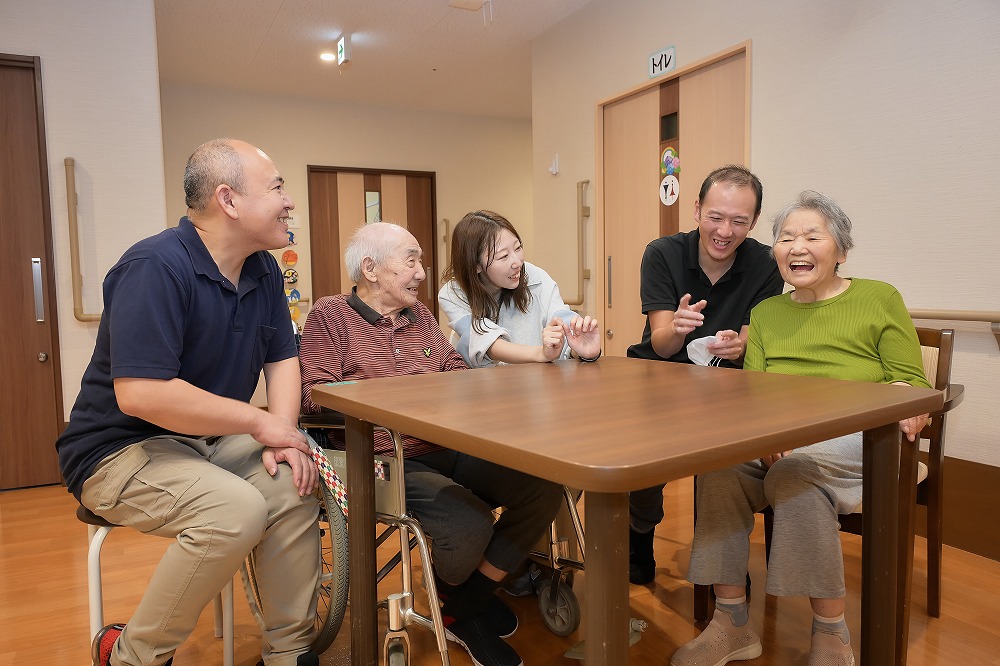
417 54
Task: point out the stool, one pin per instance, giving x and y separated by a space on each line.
98 530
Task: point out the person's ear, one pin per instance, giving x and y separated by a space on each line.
697 211
224 198
368 269
754 223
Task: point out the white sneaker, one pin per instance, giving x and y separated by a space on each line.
719 644
829 650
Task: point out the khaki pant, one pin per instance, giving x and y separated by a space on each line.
216 500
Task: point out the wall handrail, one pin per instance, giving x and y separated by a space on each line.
991 317
74 244
582 213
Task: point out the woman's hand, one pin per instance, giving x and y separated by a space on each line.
584 336
911 427
552 340
728 345
767 461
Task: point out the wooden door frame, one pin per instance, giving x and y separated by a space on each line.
34 64
429 252
601 269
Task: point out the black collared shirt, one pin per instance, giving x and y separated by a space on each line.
670 269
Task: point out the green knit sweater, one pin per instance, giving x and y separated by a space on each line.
863 334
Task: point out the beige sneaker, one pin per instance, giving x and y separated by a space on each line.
719 644
829 650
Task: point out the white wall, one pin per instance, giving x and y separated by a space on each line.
102 108
890 107
479 162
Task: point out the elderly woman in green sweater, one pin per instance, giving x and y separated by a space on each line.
828 326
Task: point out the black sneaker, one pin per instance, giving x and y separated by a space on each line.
480 640
500 617
523 585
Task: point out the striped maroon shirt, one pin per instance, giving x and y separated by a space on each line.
346 340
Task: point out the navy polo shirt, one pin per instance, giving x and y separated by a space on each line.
670 269
169 312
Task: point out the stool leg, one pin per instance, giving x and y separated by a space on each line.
217 607
228 626
96 536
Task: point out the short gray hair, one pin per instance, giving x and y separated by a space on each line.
837 222
213 163
372 241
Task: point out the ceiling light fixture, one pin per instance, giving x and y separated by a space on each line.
327 56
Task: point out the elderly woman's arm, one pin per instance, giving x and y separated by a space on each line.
899 350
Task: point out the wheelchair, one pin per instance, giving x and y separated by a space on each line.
553 561
332 586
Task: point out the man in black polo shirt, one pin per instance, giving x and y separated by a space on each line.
699 287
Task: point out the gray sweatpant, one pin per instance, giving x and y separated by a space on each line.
807 490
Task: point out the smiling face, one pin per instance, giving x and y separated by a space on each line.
808 256
724 217
397 279
264 204
504 270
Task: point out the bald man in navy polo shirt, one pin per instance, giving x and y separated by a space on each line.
162 437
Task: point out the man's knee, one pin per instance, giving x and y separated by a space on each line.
550 498
237 515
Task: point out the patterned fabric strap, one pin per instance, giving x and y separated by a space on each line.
332 479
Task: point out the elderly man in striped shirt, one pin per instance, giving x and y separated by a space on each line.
381 329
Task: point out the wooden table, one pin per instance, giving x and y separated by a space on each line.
623 424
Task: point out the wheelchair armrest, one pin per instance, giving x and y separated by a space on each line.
323 420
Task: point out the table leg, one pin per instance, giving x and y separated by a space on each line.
880 544
607 608
907 501
361 542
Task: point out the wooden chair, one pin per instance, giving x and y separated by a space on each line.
936 348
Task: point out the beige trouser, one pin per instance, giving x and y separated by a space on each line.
217 502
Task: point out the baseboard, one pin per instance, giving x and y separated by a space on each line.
969 496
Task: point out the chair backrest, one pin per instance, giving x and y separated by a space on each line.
936 348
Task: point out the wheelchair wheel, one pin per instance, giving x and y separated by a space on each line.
333 572
332 598
562 615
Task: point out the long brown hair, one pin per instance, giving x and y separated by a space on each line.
476 235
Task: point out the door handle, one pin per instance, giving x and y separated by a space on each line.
609 281
36 279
